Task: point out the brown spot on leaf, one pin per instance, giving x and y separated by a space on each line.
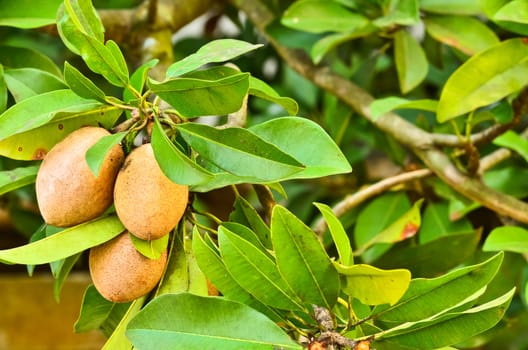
524 41
39 154
60 126
409 230
20 149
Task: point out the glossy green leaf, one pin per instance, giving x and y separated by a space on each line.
513 11
21 57
15 178
209 261
455 7
329 42
97 153
401 12
318 16
65 243
199 97
320 157
39 110
426 297
255 271
138 79
508 238
76 18
174 163
220 50
3 90
467 34
81 85
102 59
387 104
373 286
484 79
239 151
151 249
118 339
35 143
510 139
245 214
302 260
411 63
182 273
260 89
339 235
436 223
23 83
195 322
27 13
247 234
451 328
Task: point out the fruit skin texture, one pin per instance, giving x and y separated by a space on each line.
67 191
120 273
148 204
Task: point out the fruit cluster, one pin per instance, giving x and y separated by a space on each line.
148 204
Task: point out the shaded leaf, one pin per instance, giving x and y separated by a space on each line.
317 16
81 85
436 223
220 50
240 152
485 78
373 286
15 178
329 42
21 57
23 83
244 213
96 154
65 243
195 322
261 89
508 238
339 235
467 34
411 63
302 260
27 13
3 90
320 157
387 104
255 271
118 339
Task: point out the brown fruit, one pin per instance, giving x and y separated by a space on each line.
67 191
148 204
120 273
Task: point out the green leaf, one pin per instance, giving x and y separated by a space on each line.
3 90
66 266
27 13
513 11
467 34
76 18
318 16
339 235
220 50
255 271
373 286
23 83
151 249
411 63
96 154
21 57
245 214
387 104
247 234
508 238
35 143
260 89
174 164
437 293
196 322
193 97
436 223
401 12
484 79
118 339
102 59
302 260
65 243
138 80
239 152
81 85
15 178
320 157
455 7
451 328
510 139
39 110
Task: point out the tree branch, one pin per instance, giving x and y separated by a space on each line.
419 141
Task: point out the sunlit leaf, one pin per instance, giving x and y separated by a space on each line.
15 178
261 89
97 153
508 238
23 83
455 7
27 13
152 249
387 104
339 235
81 85
118 339
411 63
401 12
514 141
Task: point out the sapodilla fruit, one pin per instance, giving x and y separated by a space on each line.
120 273
148 204
68 193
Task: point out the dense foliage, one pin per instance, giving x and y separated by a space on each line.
421 246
